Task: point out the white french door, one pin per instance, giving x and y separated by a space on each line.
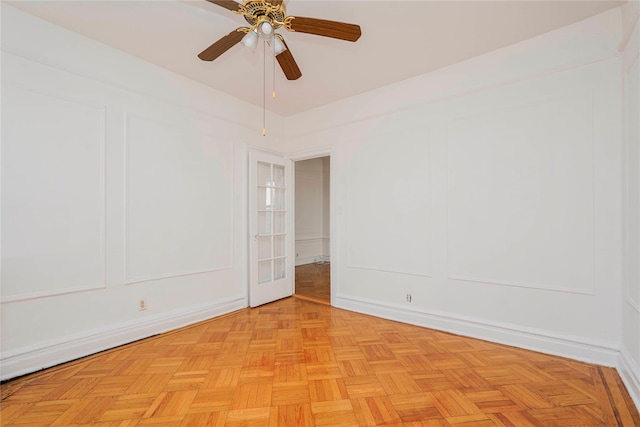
270 221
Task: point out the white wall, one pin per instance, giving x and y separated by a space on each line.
490 191
630 346
312 210
120 182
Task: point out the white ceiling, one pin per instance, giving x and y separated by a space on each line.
400 39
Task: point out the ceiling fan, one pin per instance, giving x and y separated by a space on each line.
266 16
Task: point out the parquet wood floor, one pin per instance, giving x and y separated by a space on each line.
299 363
313 282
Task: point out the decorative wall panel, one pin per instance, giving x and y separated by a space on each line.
388 206
179 201
520 195
53 218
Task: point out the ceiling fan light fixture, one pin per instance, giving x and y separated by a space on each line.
265 30
250 40
278 46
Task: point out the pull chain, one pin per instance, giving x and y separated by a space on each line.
273 95
264 89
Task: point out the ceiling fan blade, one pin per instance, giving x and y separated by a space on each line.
221 46
323 27
288 64
227 4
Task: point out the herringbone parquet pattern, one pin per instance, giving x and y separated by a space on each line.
298 363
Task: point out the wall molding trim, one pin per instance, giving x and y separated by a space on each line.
631 302
389 270
626 37
630 375
310 239
515 284
53 293
34 358
138 280
572 347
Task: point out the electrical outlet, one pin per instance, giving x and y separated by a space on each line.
408 297
142 305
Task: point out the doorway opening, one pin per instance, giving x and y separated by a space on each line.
312 229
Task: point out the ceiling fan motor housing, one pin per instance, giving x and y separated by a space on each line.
256 11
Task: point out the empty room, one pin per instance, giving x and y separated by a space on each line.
463 177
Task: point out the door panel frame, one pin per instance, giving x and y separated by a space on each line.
253 157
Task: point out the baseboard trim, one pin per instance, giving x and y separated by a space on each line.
601 353
312 260
630 374
305 261
34 358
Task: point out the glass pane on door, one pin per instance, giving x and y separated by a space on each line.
264 222
278 199
278 222
271 217
278 176
278 246
264 272
264 247
264 173
279 268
